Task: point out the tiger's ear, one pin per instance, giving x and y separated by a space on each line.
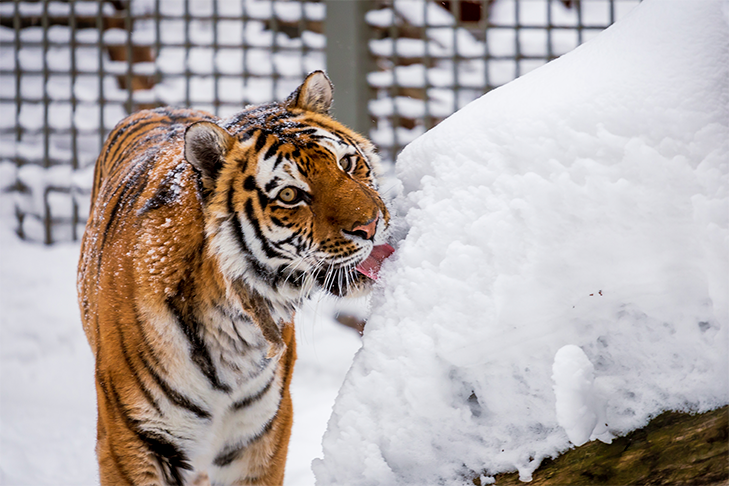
206 145
314 94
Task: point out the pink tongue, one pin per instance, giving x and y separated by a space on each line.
371 265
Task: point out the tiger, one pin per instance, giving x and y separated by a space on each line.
204 236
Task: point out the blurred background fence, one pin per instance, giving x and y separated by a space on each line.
70 70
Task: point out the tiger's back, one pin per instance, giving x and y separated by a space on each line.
204 235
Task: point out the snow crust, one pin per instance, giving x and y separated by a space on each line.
573 222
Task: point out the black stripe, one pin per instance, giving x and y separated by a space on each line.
129 185
235 318
269 250
262 199
174 396
250 183
272 184
279 159
121 131
279 223
231 453
247 402
151 139
117 463
138 129
165 193
308 131
199 353
271 150
262 137
253 264
242 165
231 123
141 385
295 278
170 458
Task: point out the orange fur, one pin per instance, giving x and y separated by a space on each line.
195 255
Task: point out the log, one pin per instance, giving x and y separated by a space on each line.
674 448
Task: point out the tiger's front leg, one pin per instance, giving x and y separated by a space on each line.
129 456
262 461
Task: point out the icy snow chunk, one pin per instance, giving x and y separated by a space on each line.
380 18
585 203
420 13
289 11
8 174
580 408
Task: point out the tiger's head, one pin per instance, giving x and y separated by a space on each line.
290 195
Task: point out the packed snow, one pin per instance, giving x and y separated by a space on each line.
580 408
562 267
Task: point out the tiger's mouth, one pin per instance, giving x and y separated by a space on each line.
371 265
343 277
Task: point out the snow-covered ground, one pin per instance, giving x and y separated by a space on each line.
47 397
562 272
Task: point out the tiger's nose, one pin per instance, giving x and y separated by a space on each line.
365 231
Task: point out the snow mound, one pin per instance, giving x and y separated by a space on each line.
584 204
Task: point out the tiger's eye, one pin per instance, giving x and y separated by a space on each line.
347 163
288 194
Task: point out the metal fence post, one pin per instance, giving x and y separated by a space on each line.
348 61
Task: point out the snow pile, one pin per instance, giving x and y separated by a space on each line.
584 205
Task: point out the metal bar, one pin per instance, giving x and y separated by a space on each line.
102 98
79 43
274 50
304 47
428 121
48 236
580 23
188 73
74 131
487 50
244 55
19 214
130 58
216 75
517 40
456 4
157 48
550 42
612 12
394 91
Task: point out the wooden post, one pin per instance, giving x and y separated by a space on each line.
348 61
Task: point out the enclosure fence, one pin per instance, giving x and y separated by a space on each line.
70 70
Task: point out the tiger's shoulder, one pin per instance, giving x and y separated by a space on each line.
152 214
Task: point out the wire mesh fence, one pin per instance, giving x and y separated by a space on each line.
433 58
70 70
